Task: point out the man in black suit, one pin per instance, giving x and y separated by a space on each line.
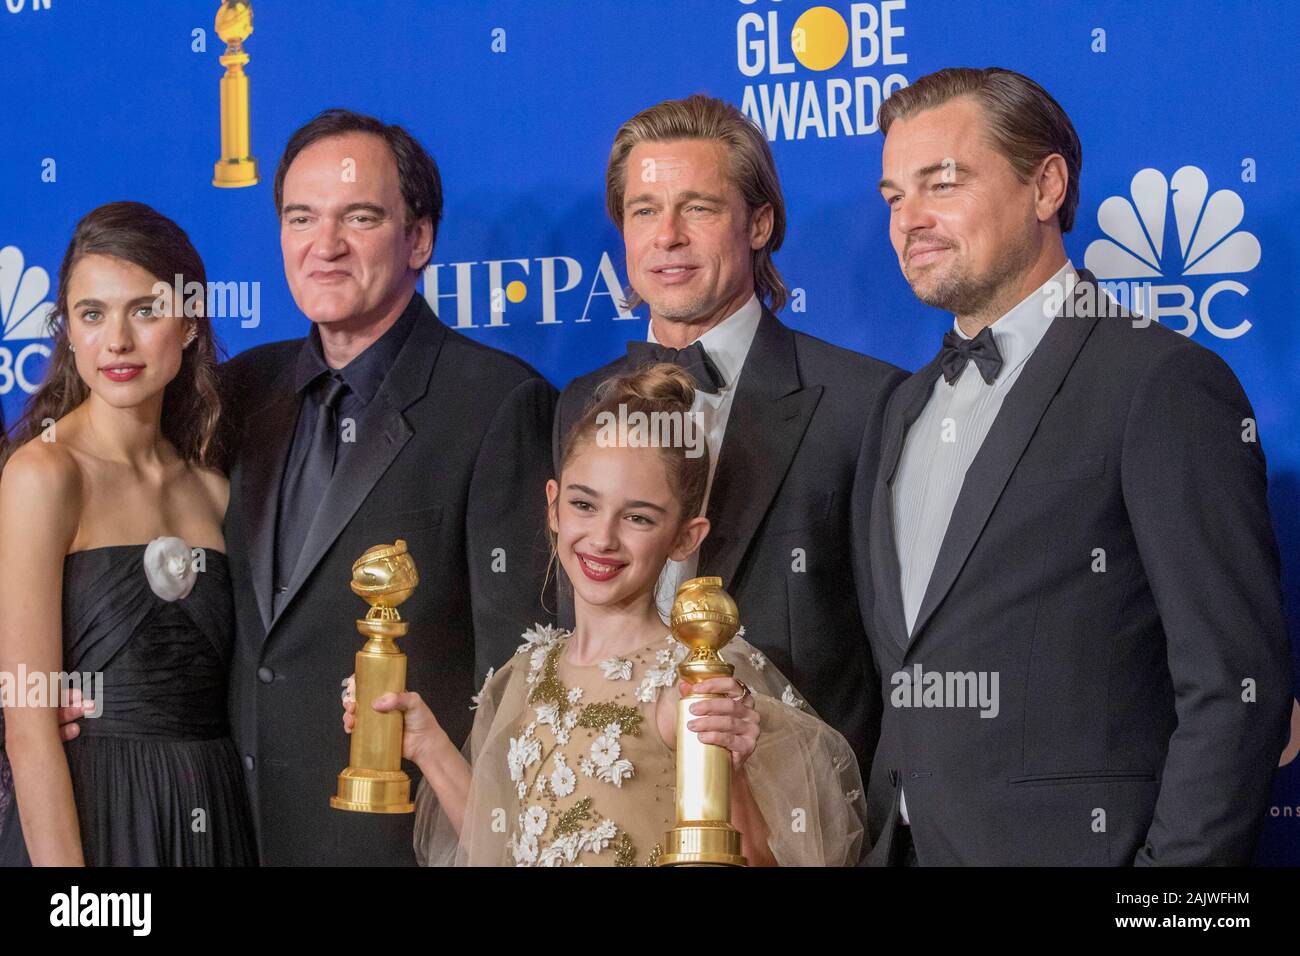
381 424
1077 608
785 415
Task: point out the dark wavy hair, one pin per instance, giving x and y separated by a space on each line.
141 235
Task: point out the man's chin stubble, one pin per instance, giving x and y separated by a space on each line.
958 295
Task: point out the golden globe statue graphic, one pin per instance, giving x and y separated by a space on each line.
374 781
704 618
236 167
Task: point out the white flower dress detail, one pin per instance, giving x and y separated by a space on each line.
595 781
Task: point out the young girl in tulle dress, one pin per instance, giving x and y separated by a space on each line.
570 760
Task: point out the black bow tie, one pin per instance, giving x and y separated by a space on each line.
982 349
693 359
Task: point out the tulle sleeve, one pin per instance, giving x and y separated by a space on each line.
803 774
482 838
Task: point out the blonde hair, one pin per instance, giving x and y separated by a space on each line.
752 170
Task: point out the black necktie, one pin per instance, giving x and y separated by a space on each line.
981 349
693 359
319 463
304 491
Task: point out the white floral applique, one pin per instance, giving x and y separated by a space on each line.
758 660
788 697
523 847
478 698
540 635
616 772
617 668
605 750
563 779
533 820
565 727
560 851
569 836
575 695
606 755
524 752
539 640
586 766
548 713
523 843
595 840
665 675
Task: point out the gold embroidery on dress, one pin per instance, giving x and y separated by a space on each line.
568 820
600 715
539 762
624 851
549 688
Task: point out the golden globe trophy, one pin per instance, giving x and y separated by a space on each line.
236 167
374 781
704 618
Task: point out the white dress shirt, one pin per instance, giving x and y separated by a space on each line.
946 436
727 345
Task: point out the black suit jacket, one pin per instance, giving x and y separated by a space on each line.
788 466
1143 701
452 455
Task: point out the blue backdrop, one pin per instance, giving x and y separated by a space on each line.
1186 111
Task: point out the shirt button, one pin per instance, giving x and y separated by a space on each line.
265 675
248 761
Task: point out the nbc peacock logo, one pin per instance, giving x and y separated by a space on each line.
24 314
1137 251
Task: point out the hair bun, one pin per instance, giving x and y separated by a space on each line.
661 394
665 384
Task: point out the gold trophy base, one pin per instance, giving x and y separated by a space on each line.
374 791
703 844
234 173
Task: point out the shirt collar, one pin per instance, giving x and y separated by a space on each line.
1018 333
728 342
366 372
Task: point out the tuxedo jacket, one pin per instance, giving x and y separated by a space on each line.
1110 557
778 511
452 455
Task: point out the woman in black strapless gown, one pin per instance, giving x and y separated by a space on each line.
119 444
156 776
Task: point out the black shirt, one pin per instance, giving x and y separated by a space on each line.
363 375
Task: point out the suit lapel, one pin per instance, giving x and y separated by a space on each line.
269 432
382 432
1007 438
904 408
769 416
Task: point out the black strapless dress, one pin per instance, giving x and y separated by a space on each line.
156 777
